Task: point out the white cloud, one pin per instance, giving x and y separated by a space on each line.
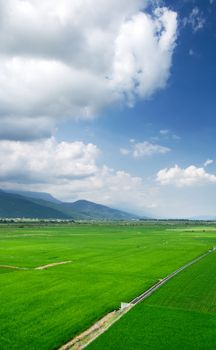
115 188
137 74
195 19
167 134
180 177
164 131
24 128
146 148
46 161
124 151
176 137
70 59
208 162
70 171
143 149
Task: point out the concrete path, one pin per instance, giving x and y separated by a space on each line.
87 337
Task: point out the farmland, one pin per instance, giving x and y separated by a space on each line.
106 264
182 314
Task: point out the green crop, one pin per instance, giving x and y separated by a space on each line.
42 310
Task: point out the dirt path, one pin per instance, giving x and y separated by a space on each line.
12 267
84 339
44 267
95 330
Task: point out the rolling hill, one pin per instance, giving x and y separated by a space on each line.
98 211
17 206
44 206
36 195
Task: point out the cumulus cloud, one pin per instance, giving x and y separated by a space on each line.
124 151
46 161
195 19
208 162
164 131
146 148
26 129
115 188
70 59
70 171
180 177
166 134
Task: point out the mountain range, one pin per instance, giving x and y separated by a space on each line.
25 204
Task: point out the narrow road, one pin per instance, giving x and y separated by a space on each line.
87 337
151 290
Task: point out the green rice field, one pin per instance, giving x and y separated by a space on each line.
107 264
180 315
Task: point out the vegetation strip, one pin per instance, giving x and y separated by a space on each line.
88 336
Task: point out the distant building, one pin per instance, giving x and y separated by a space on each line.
124 306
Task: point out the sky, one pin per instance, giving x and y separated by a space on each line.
111 101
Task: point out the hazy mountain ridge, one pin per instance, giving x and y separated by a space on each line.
36 205
36 195
14 205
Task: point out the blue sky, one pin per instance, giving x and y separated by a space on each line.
147 144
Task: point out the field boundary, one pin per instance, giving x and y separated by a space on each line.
84 339
42 267
12 267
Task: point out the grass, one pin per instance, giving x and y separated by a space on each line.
110 263
180 315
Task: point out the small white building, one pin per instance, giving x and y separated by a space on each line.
124 306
